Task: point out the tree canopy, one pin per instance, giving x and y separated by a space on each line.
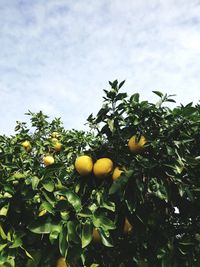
146 215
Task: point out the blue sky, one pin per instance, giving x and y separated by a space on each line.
58 55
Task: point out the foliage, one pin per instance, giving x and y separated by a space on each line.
50 211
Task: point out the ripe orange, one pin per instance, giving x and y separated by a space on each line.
55 135
26 145
84 165
103 167
61 262
96 236
48 160
117 172
57 146
127 226
136 147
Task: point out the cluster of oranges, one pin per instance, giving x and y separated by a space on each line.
103 167
56 146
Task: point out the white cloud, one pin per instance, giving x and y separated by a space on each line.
57 55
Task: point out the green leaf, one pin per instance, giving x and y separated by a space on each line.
108 205
119 184
53 236
42 227
35 181
2 246
135 98
48 186
105 238
158 93
2 233
111 125
121 84
27 253
72 232
46 206
100 220
86 236
74 200
63 244
17 243
4 210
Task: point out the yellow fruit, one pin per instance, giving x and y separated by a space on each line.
48 160
117 172
136 147
61 262
103 167
127 226
96 236
84 165
54 140
55 135
57 146
26 145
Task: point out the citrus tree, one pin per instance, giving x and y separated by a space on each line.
126 193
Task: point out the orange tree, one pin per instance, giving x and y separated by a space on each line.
126 193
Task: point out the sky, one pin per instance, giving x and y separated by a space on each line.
58 55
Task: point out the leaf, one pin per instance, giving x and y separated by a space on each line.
42 227
72 232
99 220
27 253
86 236
74 200
4 210
17 175
35 182
2 246
46 206
63 244
121 96
135 98
2 233
108 205
48 186
111 125
119 184
105 238
170 100
158 93
121 84
17 243
49 198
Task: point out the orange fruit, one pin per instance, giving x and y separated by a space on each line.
61 262
127 226
96 236
26 145
117 172
136 147
55 134
103 167
84 165
57 146
48 160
